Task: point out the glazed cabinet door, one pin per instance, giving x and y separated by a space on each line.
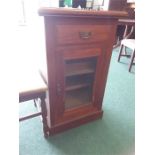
78 79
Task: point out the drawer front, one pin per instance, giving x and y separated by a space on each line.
81 34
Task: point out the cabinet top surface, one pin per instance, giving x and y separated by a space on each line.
74 12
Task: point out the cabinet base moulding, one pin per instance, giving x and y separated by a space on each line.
75 123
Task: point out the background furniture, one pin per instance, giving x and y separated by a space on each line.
130 43
76 3
125 30
32 87
78 47
117 4
126 26
123 5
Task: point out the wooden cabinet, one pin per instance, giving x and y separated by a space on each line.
78 47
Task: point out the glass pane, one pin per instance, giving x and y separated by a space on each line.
79 79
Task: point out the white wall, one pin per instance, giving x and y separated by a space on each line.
130 1
49 3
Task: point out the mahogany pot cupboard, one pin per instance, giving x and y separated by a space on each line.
78 48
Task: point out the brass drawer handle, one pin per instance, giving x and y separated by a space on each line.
84 35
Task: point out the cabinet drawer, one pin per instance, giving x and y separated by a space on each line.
81 34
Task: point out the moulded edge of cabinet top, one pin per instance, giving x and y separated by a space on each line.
49 11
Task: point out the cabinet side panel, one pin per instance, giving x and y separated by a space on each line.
104 65
51 67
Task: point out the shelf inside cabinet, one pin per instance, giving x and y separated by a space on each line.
79 67
77 82
77 98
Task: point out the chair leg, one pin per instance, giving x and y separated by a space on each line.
44 117
125 52
120 52
35 102
132 59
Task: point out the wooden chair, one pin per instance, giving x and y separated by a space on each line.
130 43
31 88
127 33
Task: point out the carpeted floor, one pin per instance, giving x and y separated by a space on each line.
114 134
